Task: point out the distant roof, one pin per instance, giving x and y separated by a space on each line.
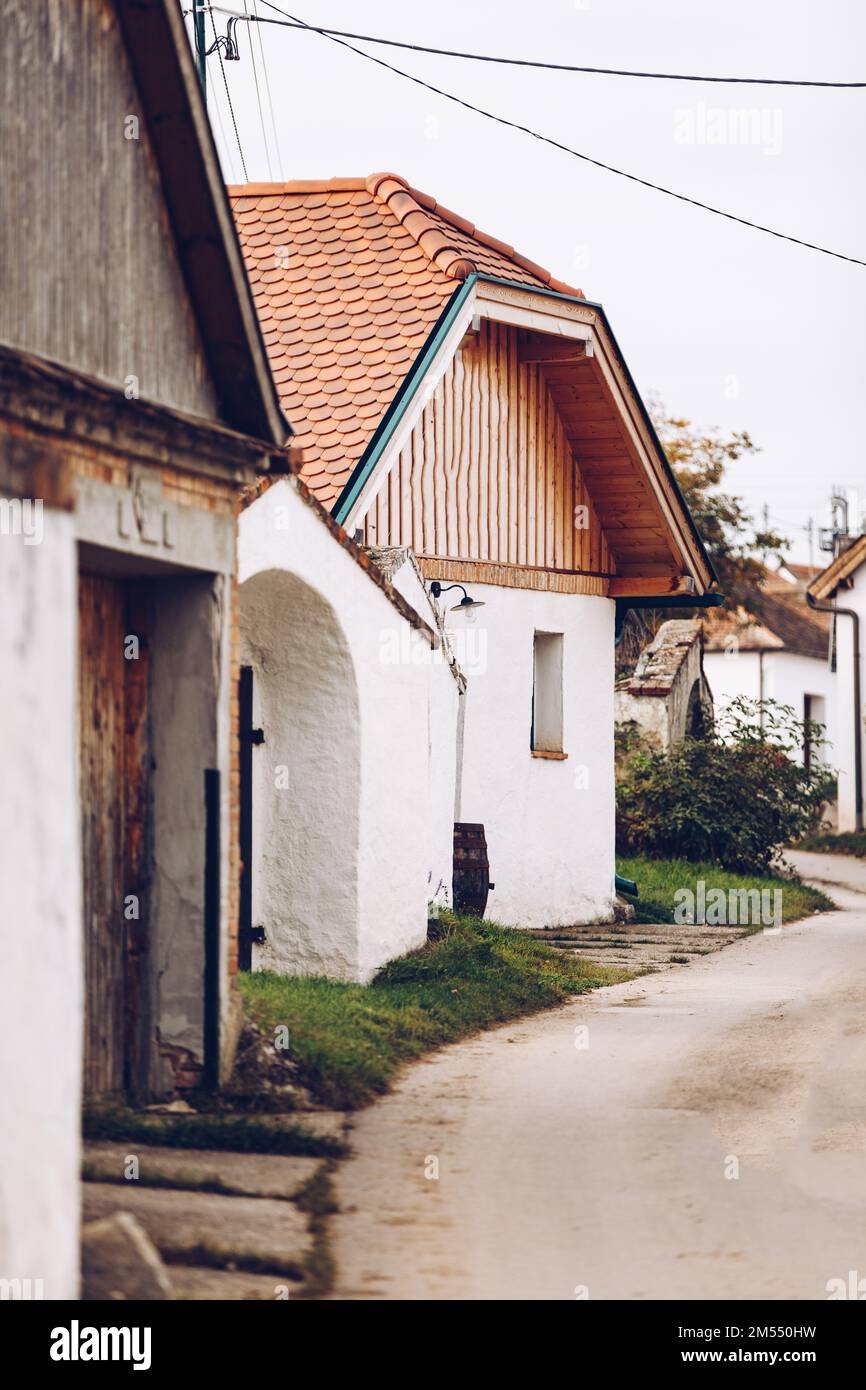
775 618
349 277
804 574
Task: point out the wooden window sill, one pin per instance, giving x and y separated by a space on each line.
548 753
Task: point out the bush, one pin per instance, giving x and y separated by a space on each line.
734 798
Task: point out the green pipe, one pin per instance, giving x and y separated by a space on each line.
200 46
625 885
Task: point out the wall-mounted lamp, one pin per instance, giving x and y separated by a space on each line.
466 605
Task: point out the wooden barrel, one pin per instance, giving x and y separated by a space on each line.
471 869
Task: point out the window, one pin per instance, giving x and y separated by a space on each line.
815 709
546 737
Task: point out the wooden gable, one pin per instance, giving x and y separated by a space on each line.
518 472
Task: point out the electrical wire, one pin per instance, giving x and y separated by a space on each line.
566 149
229 96
225 143
277 150
259 97
292 23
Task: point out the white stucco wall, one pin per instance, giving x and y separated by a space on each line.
854 598
443 715
40 912
787 678
346 855
549 824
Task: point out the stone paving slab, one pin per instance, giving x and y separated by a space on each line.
197 1283
324 1124
229 1229
640 946
247 1174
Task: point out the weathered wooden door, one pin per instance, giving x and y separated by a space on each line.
115 761
101 706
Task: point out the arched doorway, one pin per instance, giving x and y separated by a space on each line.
305 778
696 721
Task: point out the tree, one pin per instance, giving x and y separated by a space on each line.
735 797
739 551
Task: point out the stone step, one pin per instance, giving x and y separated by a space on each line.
199 1283
243 1174
203 1228
643 931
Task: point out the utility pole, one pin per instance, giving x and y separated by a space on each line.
200 45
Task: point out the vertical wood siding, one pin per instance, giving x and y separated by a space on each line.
88 273
488 473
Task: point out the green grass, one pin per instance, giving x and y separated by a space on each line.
349 1040
659 879
849 842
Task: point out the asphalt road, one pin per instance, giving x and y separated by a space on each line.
704 1137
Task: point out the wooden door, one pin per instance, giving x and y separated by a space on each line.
102 794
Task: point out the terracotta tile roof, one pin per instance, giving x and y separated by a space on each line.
804 574
349 277
777 617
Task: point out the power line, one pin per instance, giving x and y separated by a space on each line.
268 90
225 142
259 97
229 96
211 101
566 149
291 23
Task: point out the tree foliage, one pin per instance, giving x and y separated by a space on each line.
735 798
699 458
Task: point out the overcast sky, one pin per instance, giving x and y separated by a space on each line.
731 327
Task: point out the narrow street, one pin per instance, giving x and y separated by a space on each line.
708 1142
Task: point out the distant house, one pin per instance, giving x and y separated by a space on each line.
776 648
841 589
135 400
455 400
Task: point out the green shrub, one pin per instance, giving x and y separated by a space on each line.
734 798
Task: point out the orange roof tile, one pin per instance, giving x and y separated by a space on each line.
349 277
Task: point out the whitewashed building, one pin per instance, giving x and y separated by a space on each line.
841 589
453 399
135 401
778 648
347 789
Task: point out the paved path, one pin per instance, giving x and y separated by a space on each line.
607 1168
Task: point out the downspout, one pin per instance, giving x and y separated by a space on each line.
858 732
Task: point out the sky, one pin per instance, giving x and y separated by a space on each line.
728 326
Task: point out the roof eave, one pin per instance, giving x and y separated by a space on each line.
200 215
711 577
825 584
366 465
